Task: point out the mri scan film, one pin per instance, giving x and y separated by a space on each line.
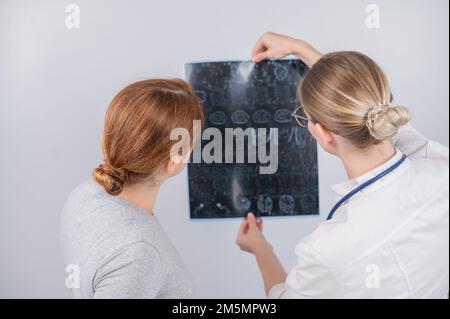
257 99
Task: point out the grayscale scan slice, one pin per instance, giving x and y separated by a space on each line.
247 95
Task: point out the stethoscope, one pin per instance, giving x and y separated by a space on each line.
365 185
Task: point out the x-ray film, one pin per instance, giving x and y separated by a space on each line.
251 97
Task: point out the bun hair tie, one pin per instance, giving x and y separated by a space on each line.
119 173
375 112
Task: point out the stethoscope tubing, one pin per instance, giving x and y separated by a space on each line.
365 185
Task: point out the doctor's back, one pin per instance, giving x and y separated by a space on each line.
389 241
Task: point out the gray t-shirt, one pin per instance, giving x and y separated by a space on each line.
119 249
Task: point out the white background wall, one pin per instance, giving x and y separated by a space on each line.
56 83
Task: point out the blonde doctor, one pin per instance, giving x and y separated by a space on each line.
388 234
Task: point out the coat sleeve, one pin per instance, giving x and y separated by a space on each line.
309 278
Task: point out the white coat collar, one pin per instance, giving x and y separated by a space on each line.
344 188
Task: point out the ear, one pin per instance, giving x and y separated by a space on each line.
324 137
174 168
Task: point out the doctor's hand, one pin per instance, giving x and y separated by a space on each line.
276 46
250 236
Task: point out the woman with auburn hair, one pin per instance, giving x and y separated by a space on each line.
388 234
108 228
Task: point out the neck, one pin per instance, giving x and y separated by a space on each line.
358 162
142 195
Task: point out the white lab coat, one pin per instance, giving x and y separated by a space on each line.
389 241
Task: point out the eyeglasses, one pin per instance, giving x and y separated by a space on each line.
301 117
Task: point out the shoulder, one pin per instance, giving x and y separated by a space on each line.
98 223
86 197
434 170
90 203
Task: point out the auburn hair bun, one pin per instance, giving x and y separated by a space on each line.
111 178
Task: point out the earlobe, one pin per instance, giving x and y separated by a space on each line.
326 135
174 168
171 168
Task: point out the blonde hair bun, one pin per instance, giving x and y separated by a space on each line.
112 179
349 94
384 120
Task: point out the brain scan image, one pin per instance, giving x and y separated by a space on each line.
242 94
